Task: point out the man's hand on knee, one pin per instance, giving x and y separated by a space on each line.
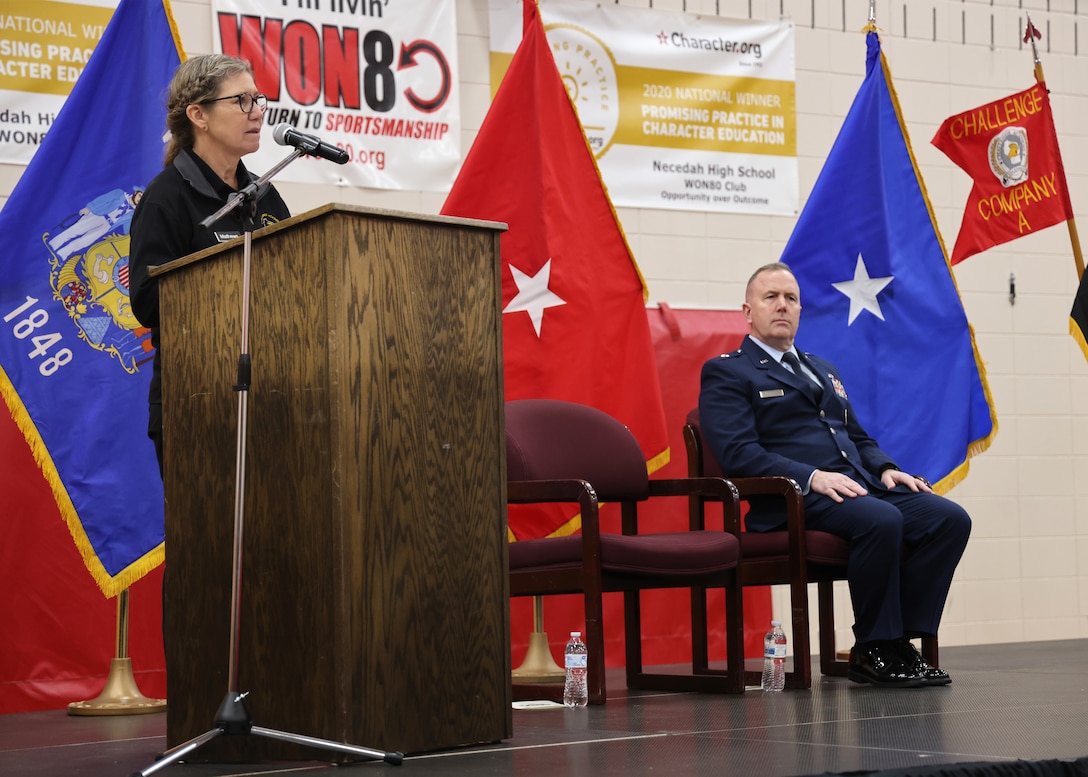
893 477
836 485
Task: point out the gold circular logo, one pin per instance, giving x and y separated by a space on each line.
589 74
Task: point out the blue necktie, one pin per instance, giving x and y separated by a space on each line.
791 359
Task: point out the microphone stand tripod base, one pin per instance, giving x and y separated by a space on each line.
120 696
232 719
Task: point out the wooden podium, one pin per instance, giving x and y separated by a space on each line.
374 605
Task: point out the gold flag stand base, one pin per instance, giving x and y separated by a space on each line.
539 666
121 696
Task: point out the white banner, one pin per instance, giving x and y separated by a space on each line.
682 111
44 46
378 78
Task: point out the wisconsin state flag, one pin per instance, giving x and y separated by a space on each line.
574 323
74 363
1010 150
878 296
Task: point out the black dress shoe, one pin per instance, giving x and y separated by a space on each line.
930 675
880 665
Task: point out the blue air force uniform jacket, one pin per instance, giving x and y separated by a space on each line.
760 419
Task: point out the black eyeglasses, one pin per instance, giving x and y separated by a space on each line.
245 101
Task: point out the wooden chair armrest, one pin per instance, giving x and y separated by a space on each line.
777 485
716 489
563 491
530 491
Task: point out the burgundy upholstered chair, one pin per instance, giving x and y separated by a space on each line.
565 452
794 556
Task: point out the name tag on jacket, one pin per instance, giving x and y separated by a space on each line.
766 393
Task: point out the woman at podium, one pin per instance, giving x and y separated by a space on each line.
214 114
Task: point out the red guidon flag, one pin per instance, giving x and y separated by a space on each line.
574 302
1010 150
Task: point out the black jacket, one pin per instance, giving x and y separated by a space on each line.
166 226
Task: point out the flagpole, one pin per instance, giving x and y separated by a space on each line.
1031 32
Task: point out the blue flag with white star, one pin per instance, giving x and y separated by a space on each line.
878 297
74 363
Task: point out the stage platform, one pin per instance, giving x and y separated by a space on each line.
1007 703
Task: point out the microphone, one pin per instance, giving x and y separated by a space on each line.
286 135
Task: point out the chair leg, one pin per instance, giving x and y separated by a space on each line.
632 636
801 674
595 680
702 678
829 663
734 636
733 679
700 650
929 650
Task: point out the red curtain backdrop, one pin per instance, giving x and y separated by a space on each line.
683 340
60 633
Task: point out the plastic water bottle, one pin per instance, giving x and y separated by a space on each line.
575 692
774 658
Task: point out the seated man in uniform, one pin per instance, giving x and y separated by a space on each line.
767 409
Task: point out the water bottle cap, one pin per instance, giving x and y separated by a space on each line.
776 623
576 633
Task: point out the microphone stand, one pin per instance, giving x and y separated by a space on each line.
233 718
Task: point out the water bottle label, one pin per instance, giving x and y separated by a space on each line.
577 661
771 651
779 651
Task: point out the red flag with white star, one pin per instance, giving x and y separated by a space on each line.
574 315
